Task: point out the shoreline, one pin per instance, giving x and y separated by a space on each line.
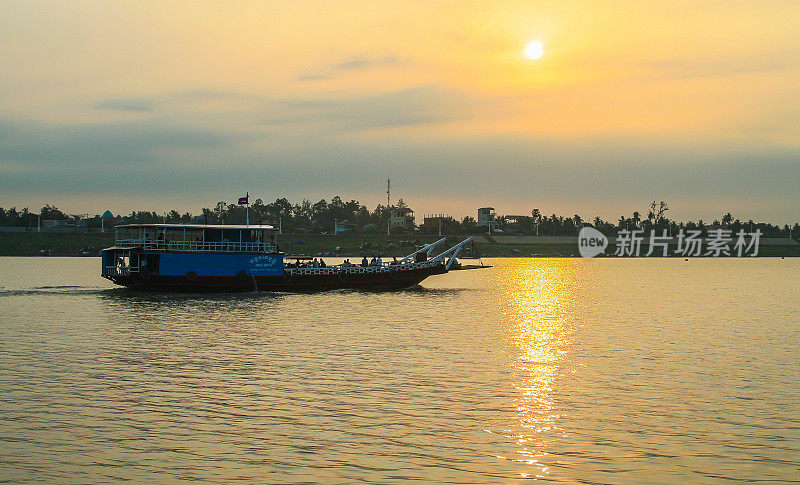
357 245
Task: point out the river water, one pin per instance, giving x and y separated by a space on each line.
562 370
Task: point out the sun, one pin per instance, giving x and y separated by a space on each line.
534 50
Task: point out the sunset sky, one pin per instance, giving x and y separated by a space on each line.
179 104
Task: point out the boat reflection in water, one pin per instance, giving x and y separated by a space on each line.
539 306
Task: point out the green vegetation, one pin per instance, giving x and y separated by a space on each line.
310 227
345 245
55 244
319 217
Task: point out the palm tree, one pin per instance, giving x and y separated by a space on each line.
660 217
536 216
651 214
25 214
727 219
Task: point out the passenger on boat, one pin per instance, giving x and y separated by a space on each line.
394 260
322 263
315 263
364 262
372 262
379 261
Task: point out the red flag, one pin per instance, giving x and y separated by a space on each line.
244 200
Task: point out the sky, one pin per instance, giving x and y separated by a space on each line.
153 105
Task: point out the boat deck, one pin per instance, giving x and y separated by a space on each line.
339 269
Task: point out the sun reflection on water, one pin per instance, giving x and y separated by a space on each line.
538 311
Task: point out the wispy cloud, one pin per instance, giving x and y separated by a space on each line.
313 77
363 62
126 104
354 63
414 106
724 67
89 147
149 162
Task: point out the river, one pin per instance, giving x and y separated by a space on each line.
562 370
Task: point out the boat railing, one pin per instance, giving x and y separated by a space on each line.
386 268
199 246
120 270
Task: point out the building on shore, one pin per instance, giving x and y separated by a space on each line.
73 225
487 218
516 224
433 223
344 227
401 218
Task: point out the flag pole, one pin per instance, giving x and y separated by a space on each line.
247 207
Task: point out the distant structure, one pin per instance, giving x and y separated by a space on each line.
433 223
514 224
487 218
344 227
73 225
106 218
389 204
401 218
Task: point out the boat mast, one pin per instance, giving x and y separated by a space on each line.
389 220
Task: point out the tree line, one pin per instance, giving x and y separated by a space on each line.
320 217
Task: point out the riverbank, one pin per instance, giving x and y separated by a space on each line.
348 245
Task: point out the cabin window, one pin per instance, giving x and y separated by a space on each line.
174 235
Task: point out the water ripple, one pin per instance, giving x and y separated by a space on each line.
567 371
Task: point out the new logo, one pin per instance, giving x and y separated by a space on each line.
591 242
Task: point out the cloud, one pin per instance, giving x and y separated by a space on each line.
309 116
182 99
414 106
126 104
160 164
362 62
313 77
724 66
354 63
88 147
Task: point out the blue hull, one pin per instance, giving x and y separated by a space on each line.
281 283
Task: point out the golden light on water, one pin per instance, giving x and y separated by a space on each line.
539 307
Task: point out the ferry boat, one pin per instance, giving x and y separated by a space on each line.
239 258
